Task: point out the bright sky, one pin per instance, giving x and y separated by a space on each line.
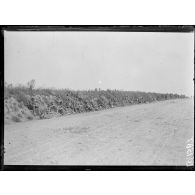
135 61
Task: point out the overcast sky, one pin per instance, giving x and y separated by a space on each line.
144 61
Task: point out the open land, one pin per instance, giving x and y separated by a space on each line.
143 134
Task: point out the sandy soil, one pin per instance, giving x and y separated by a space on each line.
147 134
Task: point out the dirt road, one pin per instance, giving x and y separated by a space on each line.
147 134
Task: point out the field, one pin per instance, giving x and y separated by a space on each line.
144 134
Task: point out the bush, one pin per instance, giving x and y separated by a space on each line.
64 101
29 117
16 119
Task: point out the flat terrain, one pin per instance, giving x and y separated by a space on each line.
145 134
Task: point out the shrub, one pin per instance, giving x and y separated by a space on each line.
61 111
16 119
29 117
65 101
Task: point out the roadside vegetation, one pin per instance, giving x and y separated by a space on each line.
23 103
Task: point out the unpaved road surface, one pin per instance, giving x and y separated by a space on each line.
147 134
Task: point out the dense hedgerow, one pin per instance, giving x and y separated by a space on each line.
46 103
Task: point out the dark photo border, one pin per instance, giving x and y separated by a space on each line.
114 28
